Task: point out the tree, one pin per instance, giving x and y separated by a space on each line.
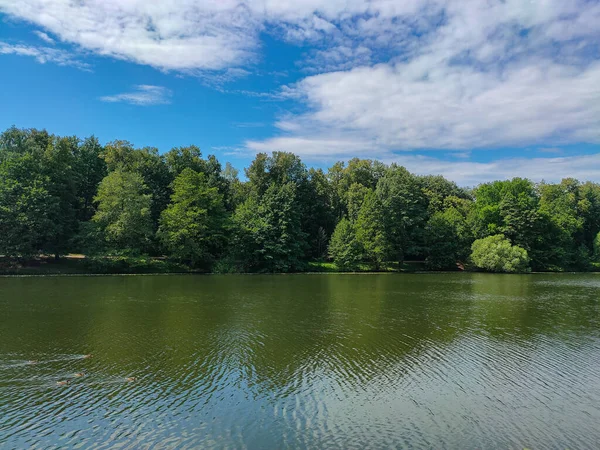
405 207
371 232
597 248
436 188
192 228
124 211
355 198
364 172
180 158
26 211
58 166
319 218
344 249
565 237
89 170
268 236
448 238
150 165
238 191
496 254
36 166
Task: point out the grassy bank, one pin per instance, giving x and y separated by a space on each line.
80 264
326 266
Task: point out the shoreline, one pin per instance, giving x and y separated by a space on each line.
154 274
80 265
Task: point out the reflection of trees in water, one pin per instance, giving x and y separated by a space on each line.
520 307
277 332
351 328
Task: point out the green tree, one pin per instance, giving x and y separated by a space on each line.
39 165
344 248
371 232
405 208
26 214
150 165
268 236
124 211
319 217
365 172
192 228
597 248
448 237
238 191
436 188
355 198
496 254
565 209
90 169
58 165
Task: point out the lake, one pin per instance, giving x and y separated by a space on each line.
456 361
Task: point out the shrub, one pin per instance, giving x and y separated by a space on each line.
496 254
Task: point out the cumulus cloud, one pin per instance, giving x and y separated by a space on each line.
43 55
143 95
489 74
386 76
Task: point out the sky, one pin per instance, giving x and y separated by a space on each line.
475 90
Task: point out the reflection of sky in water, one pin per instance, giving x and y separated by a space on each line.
432 361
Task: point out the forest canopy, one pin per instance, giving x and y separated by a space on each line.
61 195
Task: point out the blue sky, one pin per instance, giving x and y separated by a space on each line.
472 89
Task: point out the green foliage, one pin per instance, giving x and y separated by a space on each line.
63 194
124 211
131 264
344 248
149 165
448 239
192 228
572 212
268 236
496 254
597 248
89 169
405 206
26 211
371 231
39 186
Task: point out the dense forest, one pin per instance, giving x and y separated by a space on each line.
61 195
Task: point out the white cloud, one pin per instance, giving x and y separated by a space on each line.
44 37
465 173
178 34
143 95
586 167
43 55
493 74
414 74
407 106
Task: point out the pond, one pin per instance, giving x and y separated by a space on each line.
456 361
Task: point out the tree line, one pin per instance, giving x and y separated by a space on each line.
62 195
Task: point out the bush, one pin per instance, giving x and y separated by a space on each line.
496 254
129 264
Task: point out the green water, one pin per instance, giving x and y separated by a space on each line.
457 361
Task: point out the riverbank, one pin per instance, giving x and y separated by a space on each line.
75 264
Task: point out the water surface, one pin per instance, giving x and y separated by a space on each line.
457 361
